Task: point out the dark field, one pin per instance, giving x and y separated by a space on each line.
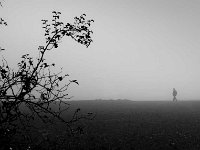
140 125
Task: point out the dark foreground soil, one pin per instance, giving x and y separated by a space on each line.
155 125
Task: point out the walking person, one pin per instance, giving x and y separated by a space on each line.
174 94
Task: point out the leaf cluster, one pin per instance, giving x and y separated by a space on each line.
3 22
79 30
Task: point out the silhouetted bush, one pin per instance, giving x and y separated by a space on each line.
33 98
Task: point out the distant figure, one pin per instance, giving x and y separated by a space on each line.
174 94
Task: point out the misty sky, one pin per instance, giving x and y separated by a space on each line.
142 49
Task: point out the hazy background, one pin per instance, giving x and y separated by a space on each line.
142 49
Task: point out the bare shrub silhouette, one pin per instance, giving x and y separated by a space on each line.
33 98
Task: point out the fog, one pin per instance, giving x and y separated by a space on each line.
142 49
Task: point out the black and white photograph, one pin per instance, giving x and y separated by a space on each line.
99 74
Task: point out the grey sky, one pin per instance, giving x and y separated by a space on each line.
142 49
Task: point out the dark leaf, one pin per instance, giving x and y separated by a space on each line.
60 78
55 45
75 81
45 65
